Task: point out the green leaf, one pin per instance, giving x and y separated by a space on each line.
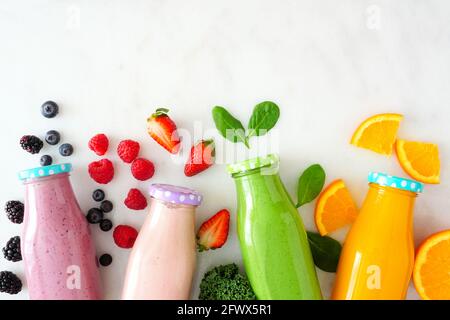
229 127
264 117
310 184
325 251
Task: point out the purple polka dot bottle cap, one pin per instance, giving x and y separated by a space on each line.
176 195
41 172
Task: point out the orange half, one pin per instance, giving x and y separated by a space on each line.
378 133
335 208
432 267
420 160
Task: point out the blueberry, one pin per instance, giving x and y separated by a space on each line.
98 195
66 149
105 260
106 206
52 137
49 109
94 215
46 160
106 225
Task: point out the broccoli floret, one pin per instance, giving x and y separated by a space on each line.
225 283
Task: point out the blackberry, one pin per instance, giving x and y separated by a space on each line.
46 160
10 283
94 216
31 144
11 251
98 195
49 109
106 225
14 211
105 260
52 137
106 206
66 149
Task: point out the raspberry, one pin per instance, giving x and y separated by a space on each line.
142 169
101 171
128 150
135 200
125 236
99 144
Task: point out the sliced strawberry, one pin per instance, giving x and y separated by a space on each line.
201 158
214 233
163 130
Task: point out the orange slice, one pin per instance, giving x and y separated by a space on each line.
335 208
378 133
420 160
432 267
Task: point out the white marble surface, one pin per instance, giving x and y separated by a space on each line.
328 65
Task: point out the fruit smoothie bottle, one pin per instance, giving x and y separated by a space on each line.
378 255
163 259
57 249
273 240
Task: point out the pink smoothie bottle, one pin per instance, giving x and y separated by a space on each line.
57 249
163 259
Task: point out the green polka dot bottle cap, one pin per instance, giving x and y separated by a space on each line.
46 171
255 163
395 182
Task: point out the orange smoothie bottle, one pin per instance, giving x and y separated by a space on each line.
378 255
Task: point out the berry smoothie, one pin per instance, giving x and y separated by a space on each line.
162 263
57 248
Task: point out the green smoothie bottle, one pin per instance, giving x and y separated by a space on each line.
273 240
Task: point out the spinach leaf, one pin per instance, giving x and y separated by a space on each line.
325 251
310 184
264 117
229 127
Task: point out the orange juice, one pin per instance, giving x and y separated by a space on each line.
378 255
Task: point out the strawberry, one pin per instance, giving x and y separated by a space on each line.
201 158
163 130
214 233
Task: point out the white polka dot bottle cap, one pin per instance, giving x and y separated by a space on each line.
395 182
46 171
255 163
176 195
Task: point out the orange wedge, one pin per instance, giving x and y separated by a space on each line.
335 208
420 160
378 133
432 267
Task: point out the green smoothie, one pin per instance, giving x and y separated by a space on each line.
272 237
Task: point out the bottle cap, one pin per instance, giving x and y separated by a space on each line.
176 195
386 180
46 171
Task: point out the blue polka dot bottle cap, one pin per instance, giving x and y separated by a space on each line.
395 182
255 163
46 171
176 195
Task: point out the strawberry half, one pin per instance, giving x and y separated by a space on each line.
163 130
201 158
214 233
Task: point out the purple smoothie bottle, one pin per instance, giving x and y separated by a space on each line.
57 249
